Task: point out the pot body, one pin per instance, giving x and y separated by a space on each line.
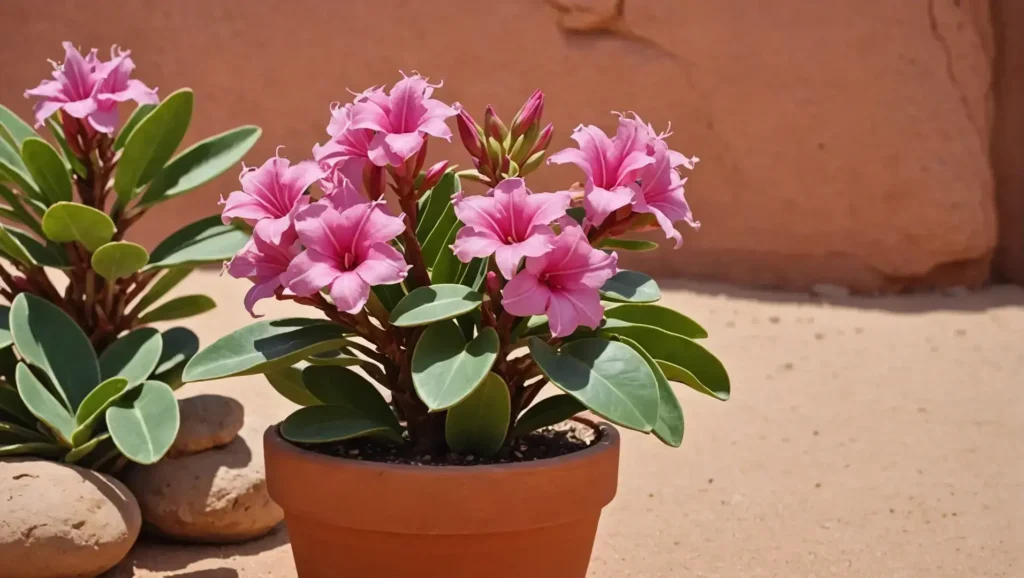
355 519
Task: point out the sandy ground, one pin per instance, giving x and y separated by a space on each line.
866 437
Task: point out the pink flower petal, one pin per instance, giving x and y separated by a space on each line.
507 257
525 295
587 303
350 292
258 292
242 206
404 145
471 242
383 265
562 316
599 203
310 272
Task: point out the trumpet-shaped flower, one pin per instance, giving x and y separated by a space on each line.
273 192
264 263
348 151
661 191
562 283
509 222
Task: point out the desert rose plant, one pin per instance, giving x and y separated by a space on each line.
462 307
85 381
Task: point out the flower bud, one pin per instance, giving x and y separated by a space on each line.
543 139
472 175
434 174
469 132
529 114
493 285
494 152
532 163
493 127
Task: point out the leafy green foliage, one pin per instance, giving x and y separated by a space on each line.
445 368
426 305
133 356
94 406
288 382
144 422
13 169
137 116
548 411
319 424
151 144
628 245
435 203
478 423
66 222
631 287
13 129
167 281
119 259
669 428
179 346
340 386
202 242
179 308
47 169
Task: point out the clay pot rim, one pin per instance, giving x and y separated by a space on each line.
608 438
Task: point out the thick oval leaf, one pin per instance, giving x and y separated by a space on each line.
50 340
473 274
682 359
69 159
167 281
13 169
447 268
43 405
201 163
39 449
204 241
264 346
133 357
657 316
669 428
631 287
335 357
478 424
445 369
12 433
66 222
140 113
288 382
628 245
179 346
13 248
319 424
437 202
144 422
119 259
389 295
335 385
47 169
426 305
13 129
94 405
11 406
607 376
43 255
85 449
439 235
179 308
17 211
152 143
548 411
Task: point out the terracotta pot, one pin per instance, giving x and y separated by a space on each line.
353 519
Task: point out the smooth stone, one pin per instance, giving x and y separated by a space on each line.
207 421
219 495
62 521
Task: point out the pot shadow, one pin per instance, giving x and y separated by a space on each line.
164 555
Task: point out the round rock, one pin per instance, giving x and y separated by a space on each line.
207 421
219 495
62 521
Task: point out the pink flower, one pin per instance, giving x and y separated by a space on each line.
348 151
401 119
347 250
562 284
509 223
611 164
85 87
272 192
661 191
264 263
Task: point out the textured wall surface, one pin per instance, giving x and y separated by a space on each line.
1008 137
843 142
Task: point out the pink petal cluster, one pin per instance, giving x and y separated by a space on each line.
264 263
509 222
273 192
401 119
348 151
562 283
347 250
88 88
633 168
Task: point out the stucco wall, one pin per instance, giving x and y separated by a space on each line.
843 142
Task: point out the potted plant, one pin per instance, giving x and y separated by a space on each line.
85 380
463 309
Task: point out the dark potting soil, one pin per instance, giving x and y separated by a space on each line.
550 442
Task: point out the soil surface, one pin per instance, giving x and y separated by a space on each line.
550 442
865 437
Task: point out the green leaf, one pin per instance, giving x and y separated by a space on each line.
548 411
140 113
426 305
43 405
72 161
39 449
13 129
631 287
144 422
437 202
12 406
334 385
152 143
13 169
657 316
435 242
201 242
12 433
20 214
669 428
85 449
200 163
319 424
167 281
607 376
473 274
389 295
179 346
682 359
50 340
478 423
6 339
627 245
13 248
119 259
42 255
178 308
335 358
447 267
445 369
66 222
47 169
93 407
264 346
133 356
288 382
